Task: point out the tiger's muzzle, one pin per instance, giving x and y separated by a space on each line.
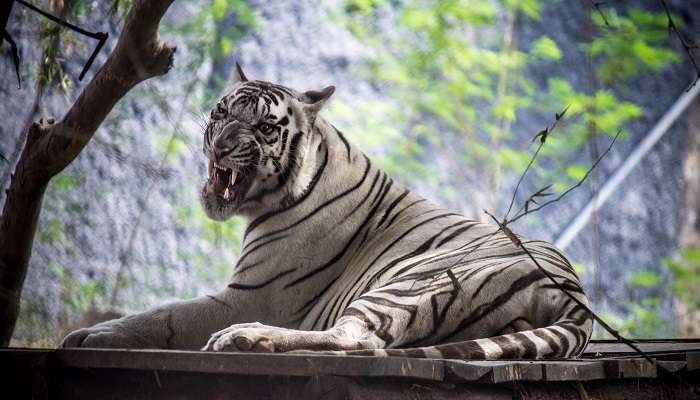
230 176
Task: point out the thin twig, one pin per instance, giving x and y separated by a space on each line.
100 36
596 5
517 186
522 212
542 135
518 243
607 327
689 47
503 227
94 35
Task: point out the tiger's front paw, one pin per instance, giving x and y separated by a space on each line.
254 337
106 336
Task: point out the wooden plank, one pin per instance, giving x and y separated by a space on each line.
252 363
510 371
603 348
672 365
468 371
629 368
494 371
502 371
247 364
574 370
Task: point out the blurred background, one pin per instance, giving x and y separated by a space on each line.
445 95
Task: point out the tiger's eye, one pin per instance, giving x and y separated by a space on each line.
217 113
265 128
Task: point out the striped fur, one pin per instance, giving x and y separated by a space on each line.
337 257
349 260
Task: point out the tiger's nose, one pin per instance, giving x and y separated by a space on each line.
219 153
224 143
221 147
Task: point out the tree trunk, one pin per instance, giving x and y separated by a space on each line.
138 55
686 315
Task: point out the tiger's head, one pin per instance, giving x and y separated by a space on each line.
255 140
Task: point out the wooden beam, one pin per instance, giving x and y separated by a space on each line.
605 348
252 363
574 370
629 368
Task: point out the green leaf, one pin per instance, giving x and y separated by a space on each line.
226 45
691 255
63 181
546 48
576 171
218 9
645 278
170 147
579 268
58 270
416 18
454 280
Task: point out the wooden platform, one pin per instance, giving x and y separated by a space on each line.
606 370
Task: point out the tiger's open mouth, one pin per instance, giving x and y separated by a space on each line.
229 185
222 181
226 189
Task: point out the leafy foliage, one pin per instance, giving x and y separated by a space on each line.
456 93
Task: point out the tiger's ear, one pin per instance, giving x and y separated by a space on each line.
238 75
315 99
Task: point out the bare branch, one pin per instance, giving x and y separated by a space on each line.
672 27
523 211
518 243
101 37
596 5
687 46
503 227
542 135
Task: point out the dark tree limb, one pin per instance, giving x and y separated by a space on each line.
50 147
101 37
687 46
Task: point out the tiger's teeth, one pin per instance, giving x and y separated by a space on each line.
232 179
226 194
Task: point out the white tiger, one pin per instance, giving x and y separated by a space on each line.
338 257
